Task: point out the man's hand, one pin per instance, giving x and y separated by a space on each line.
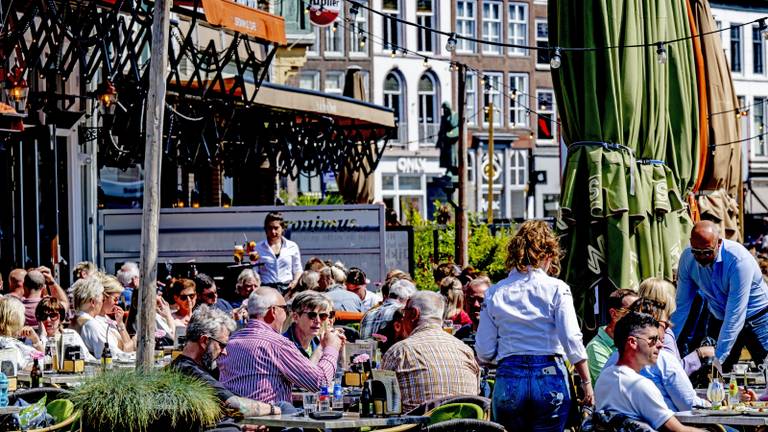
589 394
706 351
49 280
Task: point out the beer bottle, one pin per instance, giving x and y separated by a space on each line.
36 374
365 400
106 357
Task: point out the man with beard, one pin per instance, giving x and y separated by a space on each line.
729 279
622 390
207 337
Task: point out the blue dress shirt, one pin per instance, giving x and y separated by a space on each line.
732 285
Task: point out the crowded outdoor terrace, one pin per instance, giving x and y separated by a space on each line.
310 345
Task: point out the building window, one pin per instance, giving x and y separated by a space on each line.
518 88
542 43
491 26
546 122
493 94
429 118
470 101
425 16
517 167
314 49
392 28
465 25
394 98
334 82
309 80
735 48
551 204
334 38
758 125
404 193
758 51
358 37
517 32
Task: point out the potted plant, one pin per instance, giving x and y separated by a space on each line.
131 401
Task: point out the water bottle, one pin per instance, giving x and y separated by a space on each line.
3 390
338 397
324 399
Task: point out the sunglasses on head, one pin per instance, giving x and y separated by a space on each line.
312 315
185 297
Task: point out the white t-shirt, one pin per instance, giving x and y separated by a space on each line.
622 390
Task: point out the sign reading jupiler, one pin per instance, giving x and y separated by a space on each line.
323 13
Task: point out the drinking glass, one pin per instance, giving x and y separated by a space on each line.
310 403
448 326
716 392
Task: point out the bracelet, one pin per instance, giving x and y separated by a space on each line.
586 382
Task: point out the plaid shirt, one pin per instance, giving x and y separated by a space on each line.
262 364
378 317
431 364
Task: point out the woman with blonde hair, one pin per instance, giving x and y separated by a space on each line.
663 293
528 327
453 293
11 325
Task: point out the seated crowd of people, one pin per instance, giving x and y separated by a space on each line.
255 349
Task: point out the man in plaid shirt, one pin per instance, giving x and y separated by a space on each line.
377 318
430 363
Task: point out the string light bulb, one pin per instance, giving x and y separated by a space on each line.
393 53
335 27
531 136
319 11
555 61
353 11
425 63
486 83
307 9
763 28
453 67
450 46
363 39
514 94
661 53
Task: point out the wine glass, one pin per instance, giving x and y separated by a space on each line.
716 393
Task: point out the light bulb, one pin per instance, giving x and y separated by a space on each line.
514 94
335 27
425 63
362 41
353 11
319 11
393 53
555 61
450 46
661 53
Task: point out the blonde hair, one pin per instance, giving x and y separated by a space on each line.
532 245
11 316
453 292
110 283
659 290
85 290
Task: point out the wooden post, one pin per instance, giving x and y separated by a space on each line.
489 168
462 224
150 219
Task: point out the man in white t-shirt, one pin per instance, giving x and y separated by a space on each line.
621 389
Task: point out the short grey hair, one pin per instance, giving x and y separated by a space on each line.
207 321
247 274
402 289
127 272
339 274
85 290
260 300
309 280
311 300
430 304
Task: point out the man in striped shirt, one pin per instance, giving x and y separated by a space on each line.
430 363
262 364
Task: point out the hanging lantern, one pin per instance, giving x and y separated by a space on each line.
16 85
106 93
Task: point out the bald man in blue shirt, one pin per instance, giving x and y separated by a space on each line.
728 278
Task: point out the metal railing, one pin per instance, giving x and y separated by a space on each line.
401 136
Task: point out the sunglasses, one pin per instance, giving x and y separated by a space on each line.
222 345
52 316
312 315
211 294
185 297
703 252
283 307
651 341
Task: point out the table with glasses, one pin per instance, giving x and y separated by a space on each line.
349 420
691 418
54 379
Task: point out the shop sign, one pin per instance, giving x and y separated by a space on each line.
411 165
323 13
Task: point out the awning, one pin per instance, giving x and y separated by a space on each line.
243 19
344 110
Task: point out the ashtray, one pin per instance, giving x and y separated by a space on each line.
326 415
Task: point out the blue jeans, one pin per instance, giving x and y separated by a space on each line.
531 394
753 336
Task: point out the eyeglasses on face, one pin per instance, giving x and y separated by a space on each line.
312 315
185 297
53 316
222 345
651 341
115 298
703 252
283 307
210 294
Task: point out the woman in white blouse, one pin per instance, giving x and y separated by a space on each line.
279 264
15 355
528 327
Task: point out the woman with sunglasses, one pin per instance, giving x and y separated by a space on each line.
528 327
310 313
184 299
50 313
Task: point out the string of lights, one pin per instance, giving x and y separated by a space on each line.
508 92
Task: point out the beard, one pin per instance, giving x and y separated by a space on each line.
208 360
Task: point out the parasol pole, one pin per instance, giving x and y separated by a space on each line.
462 232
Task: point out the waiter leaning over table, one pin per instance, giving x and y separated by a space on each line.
279 262
728 278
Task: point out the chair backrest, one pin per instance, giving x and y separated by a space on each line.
466 425
483 402
453 411
350 333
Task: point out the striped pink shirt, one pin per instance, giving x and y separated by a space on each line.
262 364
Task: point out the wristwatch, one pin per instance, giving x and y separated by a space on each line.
271 409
